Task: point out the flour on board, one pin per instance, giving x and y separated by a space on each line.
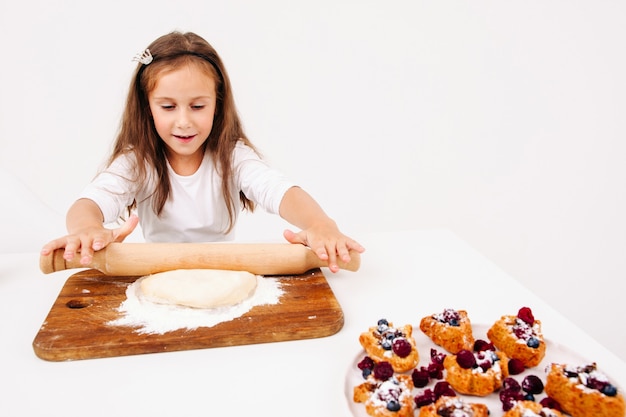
153 318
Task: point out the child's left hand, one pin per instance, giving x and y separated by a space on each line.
327 242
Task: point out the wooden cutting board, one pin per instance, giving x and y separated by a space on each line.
76 326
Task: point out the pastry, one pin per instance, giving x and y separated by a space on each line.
450 329
531 409
519 337
385 342
454 406
476 373
391 397
584 391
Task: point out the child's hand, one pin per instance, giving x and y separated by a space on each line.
87 241
327 242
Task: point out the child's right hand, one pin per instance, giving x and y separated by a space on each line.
87 241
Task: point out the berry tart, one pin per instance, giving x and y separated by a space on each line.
519 337
454 406
384 393
528 408
385 342
584 391
479 372
450 329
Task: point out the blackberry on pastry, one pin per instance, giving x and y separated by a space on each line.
454 406
451 329
519 337
386 395
531 409
395 345
584 391
477 373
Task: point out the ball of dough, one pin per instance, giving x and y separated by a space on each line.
199 288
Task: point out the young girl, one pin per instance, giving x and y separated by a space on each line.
183 161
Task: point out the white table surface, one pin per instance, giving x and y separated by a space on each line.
403 277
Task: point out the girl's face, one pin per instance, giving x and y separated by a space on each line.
183 105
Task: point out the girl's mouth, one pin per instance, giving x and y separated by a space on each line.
185 138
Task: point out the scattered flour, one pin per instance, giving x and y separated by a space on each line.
152 318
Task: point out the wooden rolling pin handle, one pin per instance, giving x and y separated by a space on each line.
54 262
135 259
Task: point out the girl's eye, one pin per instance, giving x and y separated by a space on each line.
167 107
198 107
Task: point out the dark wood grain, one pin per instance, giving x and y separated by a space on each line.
76 326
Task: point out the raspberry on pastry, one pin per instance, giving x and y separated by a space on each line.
531 409
584 391
385 342
519 337
476 373
454 406
391 397
450 329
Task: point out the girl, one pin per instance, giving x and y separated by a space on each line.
184 163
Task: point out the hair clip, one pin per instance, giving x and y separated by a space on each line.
144 57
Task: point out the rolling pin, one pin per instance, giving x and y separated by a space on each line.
139 259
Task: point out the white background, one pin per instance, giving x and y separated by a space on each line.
502 121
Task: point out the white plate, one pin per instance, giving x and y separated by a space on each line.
555 353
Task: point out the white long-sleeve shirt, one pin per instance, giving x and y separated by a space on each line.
195 210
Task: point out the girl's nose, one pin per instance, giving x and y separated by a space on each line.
183 120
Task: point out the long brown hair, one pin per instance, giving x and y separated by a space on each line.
138 135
